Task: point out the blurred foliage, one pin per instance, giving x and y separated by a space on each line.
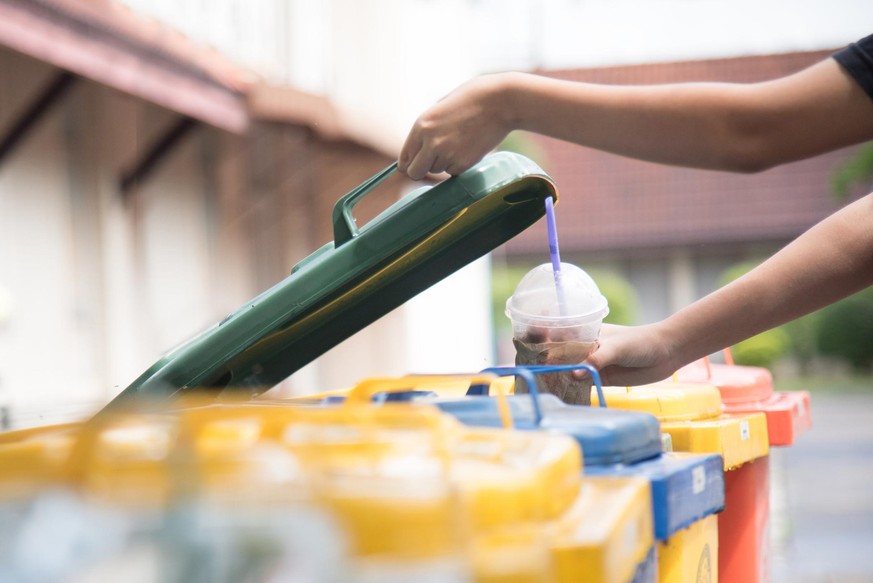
857 171
802 333
504 278
624 305
623 300
845 330
763 349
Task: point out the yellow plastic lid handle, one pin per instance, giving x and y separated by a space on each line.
363 392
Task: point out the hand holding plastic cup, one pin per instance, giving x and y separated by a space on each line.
547 330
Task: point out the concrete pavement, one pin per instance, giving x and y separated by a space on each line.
822 496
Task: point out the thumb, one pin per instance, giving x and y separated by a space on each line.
597 360
602 357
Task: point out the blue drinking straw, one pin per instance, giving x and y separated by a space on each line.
555 254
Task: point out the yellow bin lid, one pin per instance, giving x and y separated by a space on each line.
691 413
667 401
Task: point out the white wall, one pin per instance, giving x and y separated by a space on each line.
95 288
50 336
560 34
307 42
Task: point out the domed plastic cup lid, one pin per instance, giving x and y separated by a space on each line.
536 301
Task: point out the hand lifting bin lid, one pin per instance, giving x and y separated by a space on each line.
362 275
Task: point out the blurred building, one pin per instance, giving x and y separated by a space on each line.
148 186
162 161
670 232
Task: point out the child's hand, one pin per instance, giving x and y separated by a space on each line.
458 131
632 355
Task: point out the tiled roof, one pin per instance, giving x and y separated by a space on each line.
612 203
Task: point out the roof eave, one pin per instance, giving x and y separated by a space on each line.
68 41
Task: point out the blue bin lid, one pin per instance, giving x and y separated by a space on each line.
686 487
607 436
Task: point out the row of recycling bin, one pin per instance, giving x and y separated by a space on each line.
441 479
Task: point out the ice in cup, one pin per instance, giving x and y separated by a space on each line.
552 325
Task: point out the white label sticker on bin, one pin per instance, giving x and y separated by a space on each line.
631 536
744 430
698 480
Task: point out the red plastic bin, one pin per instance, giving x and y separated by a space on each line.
749 389
744 554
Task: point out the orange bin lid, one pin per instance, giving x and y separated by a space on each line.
749 389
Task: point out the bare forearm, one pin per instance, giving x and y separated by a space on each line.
725 126
830 261
673 124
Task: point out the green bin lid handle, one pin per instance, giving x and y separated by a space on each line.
344 226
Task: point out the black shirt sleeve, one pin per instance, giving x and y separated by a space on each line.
857 60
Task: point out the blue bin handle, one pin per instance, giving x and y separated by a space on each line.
595 375
523 372
529 372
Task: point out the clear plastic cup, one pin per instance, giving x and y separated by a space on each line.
557 325
537 312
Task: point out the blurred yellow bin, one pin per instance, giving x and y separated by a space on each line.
415 491
608 534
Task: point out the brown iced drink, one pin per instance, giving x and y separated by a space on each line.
545 333
561 384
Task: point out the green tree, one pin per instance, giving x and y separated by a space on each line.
845 330
857 170
624 304
504 278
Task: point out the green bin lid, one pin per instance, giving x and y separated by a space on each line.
362 275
